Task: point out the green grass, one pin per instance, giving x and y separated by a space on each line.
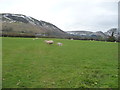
29 63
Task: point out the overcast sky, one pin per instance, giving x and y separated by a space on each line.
68 15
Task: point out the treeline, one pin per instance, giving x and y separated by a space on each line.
30 35
110 39
8 32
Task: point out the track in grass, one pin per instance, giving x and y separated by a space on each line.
29 63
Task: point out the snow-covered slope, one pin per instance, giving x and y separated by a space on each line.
88 34
23 25
115 32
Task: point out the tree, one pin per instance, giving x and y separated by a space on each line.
111 38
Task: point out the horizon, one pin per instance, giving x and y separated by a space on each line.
68 15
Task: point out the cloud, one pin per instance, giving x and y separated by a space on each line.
68 15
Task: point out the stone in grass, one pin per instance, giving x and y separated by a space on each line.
18 83
53 83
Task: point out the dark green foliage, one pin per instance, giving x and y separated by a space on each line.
111 39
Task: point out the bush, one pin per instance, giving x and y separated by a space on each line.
111 39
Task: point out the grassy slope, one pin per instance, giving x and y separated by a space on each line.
32 63
16 27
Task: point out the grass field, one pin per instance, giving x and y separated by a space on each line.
29 63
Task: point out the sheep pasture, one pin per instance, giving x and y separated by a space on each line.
28 63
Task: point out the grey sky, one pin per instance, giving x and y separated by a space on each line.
90 15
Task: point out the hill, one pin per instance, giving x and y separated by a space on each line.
99 35
18 25
21 25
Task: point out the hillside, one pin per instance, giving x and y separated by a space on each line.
99 35
21 25
113 30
